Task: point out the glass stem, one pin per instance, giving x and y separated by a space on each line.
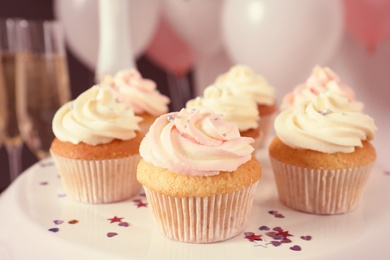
14 159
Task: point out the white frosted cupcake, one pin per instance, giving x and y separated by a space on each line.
140 94
322 155
321 79
198 175
96 149
242 111
243 81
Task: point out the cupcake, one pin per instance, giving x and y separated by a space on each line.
96 147
140 94
199 176
320 80
322 156
243 81
242 111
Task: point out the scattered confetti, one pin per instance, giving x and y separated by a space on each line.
296 248
115 219
387 173
58 222
264 228
140 204
276 214
73 221
307 238
54 230
278 235
43 183
123 224
112 234
61 195
252 237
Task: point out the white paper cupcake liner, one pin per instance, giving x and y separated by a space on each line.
320 191
201 219
99 181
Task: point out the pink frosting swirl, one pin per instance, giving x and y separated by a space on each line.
137 92
195 143
321 80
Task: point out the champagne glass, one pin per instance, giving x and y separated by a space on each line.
42 82
9 133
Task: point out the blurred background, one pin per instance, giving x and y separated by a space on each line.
184 44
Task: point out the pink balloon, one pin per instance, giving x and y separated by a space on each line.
368 20
169 51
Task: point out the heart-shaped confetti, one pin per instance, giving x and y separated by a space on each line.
112 234
286 240
73 221
123 224
58 222
264 228
277 229
54 230
272 212
307 238
296 248
276 243
278 215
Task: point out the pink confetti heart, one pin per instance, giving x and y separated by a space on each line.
112 234
276 243
307 238
286 240
278 215
54 230
263 228
296 248
123 224
277 229
58 222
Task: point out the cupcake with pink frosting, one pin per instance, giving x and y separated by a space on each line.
320 80
140 94
199 176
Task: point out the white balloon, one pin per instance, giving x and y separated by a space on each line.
282 40
197 22
81 26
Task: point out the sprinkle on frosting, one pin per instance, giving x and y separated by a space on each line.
195 143
320 80
243 81
95 117
137 92
328 124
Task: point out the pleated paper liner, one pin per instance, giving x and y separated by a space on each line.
201 219
99 181
320 191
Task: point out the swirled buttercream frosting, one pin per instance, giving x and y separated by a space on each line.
95 117
320 80
195 143
241 111
137 92
328 124
243 81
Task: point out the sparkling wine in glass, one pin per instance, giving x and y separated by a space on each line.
9 132
42 82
